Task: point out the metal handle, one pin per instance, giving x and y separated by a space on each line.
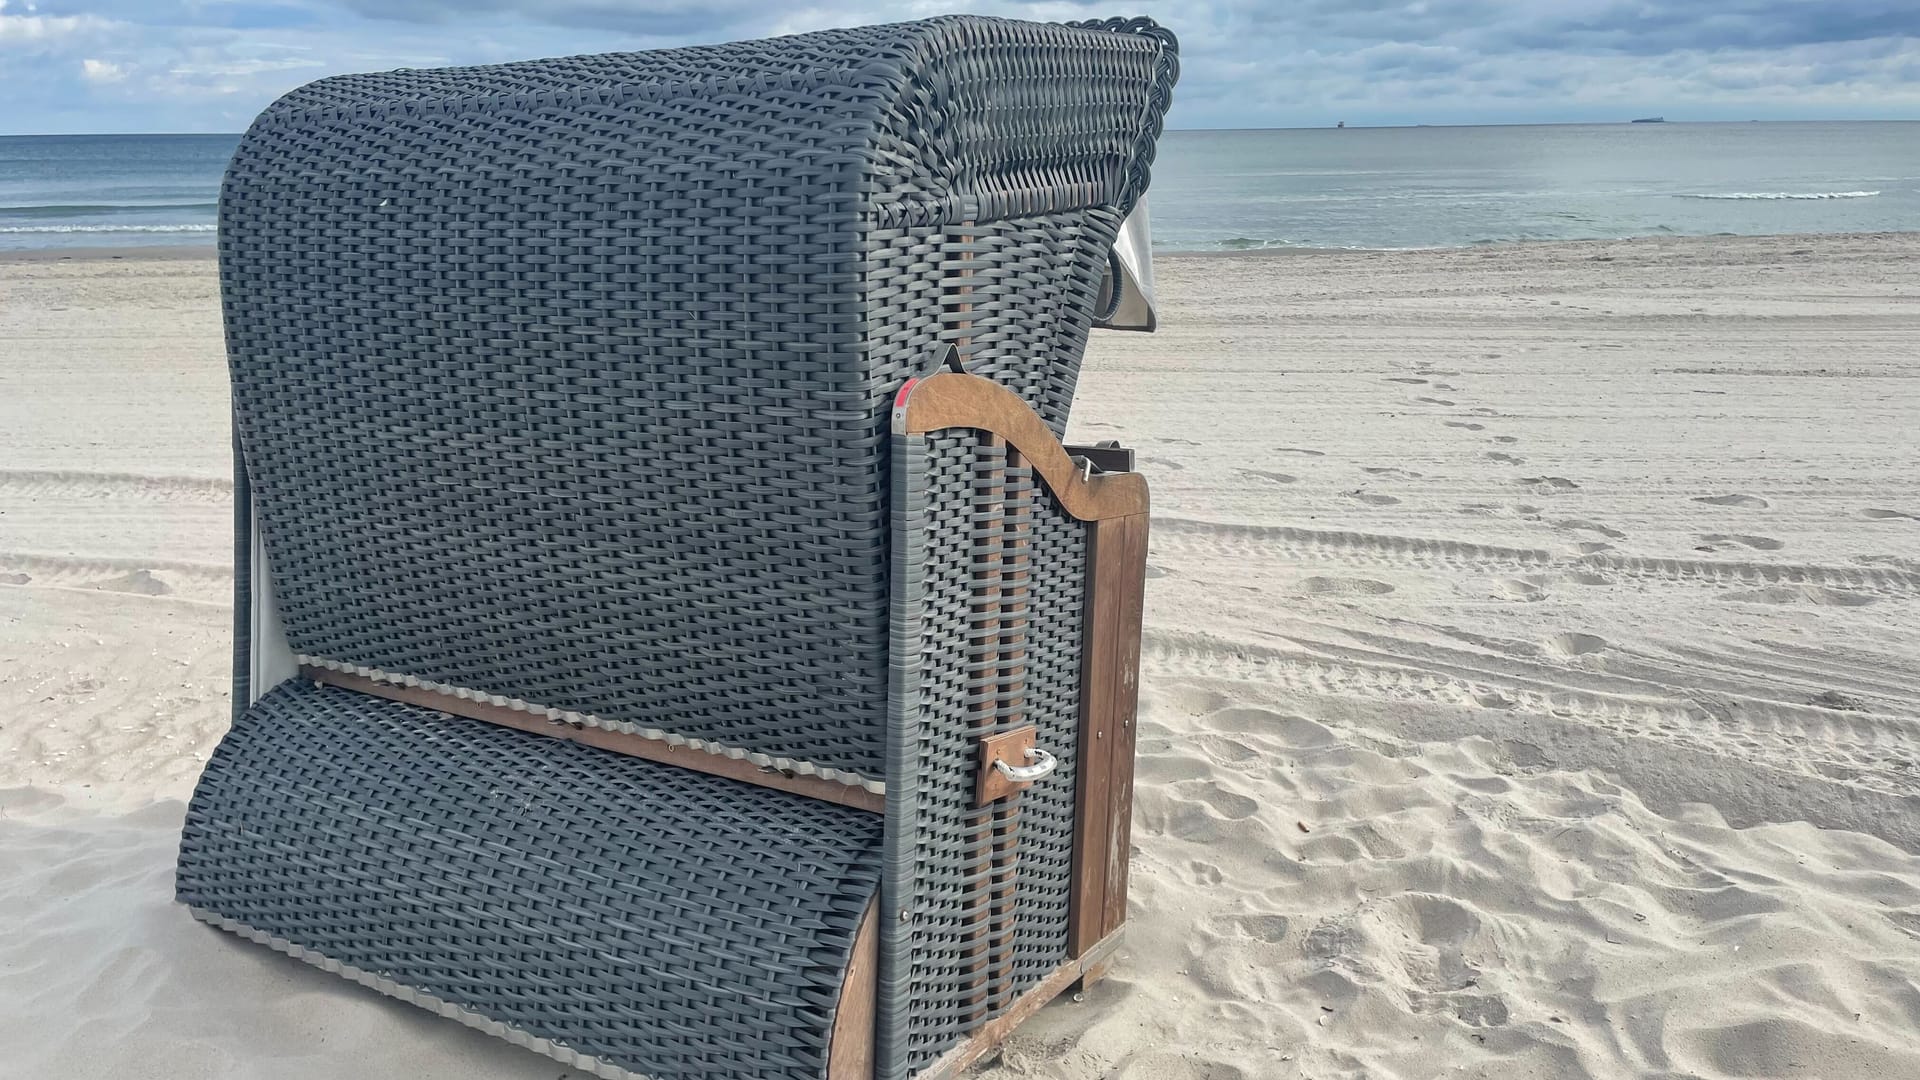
1027 774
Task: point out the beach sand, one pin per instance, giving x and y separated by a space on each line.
1528 677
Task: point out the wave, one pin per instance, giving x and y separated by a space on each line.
63 210
1782 195
1248 243
203 227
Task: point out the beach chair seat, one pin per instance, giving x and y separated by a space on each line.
597 906
670 633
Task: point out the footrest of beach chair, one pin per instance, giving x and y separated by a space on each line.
622 916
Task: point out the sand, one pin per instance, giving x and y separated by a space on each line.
1529 683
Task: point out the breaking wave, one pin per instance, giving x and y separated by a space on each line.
1782 195
202 227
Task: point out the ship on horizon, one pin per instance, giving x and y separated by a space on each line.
1651 120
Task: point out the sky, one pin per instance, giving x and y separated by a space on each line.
210 65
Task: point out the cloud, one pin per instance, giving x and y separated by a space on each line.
26 29
101 71
210 64
241 68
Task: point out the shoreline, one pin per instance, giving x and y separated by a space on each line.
105 253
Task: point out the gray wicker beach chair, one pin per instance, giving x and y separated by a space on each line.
669 631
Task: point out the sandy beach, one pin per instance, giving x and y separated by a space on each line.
1529 683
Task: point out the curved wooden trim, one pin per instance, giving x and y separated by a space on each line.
850 1044
952 400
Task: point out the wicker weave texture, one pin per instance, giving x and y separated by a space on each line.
566 381
1056 614
969 508
662 921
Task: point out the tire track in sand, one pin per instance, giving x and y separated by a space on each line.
1359 549
85 486
1859 750
192 582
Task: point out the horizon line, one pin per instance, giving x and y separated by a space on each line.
1337 126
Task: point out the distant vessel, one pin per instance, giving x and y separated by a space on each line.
1651 120
1341 124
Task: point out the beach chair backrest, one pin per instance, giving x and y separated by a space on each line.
565 384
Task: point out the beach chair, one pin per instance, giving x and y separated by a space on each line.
670 634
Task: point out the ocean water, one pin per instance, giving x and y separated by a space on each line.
117 190
1457 186
1221 190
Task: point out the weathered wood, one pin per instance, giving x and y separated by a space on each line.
620 742
995 1031
1109 697
1131 578
1010 747
952 400
1087 901
850 1044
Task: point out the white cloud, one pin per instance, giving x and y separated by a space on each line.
40 30
101 71
237 68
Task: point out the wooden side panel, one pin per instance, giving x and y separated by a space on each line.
1132 575
850 1045
1103 800
1093 792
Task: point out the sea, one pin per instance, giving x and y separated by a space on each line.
1341 188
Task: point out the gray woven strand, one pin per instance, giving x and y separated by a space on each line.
240 681
658 920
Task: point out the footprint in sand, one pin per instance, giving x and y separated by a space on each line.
1446 389
1178 442
1521 589
1583 525
1228 804
1505 459
1268 928
1371 499
1877 514
1273 477
1330 586
1818 595
1466 426
1434 400
15 579
139 582
1304 452
1409 381
1750 502
1570 644
1547 485
1716 541
1507 440
1162 463
1154 572
1388 470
